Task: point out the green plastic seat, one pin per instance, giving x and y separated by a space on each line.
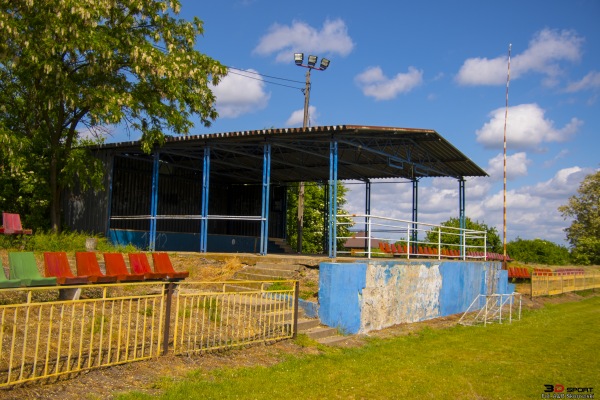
5 282
24 267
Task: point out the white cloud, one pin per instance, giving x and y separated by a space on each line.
237 94
284 40
375 84
527 128
297 117
545 51
590 81
516 166
532 211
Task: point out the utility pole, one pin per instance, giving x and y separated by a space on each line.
312 61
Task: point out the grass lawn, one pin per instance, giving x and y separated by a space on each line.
559 344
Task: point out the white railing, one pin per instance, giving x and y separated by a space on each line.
383 236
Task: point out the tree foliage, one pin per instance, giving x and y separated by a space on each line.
538 251
68 67
449 236
584 232
313 230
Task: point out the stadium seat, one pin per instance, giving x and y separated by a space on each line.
56 264
115 265
162 263
24 267
5 282
138 263
87 264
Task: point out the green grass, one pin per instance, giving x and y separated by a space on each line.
65 241
554 345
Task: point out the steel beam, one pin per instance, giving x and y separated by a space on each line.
461 213
154 200
368 213
333 164
415 214
205 197
264 225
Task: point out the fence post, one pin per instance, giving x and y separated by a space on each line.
296 293
167 318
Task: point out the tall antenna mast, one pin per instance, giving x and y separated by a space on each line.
504 192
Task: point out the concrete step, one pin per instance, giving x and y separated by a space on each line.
333 340
279 266
320 332
243 286
265 273
305 324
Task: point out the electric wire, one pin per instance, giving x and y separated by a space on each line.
232 71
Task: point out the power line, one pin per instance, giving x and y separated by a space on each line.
264 80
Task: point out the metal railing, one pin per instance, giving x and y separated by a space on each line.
43 335
557 284
493 308
209 317
411 238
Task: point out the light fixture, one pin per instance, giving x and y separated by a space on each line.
324 64
312 60
298 58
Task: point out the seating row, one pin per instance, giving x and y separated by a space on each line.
558 272
399 250
518 273
24 270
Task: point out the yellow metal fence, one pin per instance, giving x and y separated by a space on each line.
549 285
43 335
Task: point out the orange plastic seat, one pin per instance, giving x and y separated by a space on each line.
162 264
138 263
115 265
56 265
87 264
12 225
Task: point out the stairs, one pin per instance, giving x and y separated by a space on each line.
265 271
279 246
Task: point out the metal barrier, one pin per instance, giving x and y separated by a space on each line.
546 285
487 309
459 243
43 335
210 317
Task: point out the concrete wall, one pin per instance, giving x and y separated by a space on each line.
360 297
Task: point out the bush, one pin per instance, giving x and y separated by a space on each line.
66 241
538 251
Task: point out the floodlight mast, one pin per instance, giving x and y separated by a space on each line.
311 64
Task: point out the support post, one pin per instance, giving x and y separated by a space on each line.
204 205
368 214
296 295
461 212
166 332
333 164
325 218
154 201
264 224
415 216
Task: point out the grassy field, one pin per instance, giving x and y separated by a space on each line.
558 344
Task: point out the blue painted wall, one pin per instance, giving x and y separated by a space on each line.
358 297
171 241
340 292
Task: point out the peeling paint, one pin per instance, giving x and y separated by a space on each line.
400 293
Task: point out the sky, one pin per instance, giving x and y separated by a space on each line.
440 65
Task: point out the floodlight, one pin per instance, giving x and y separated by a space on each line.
324 63
312 60
298 58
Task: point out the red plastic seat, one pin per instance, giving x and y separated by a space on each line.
87 264
12 225
162 264
115 265
138 263
56 264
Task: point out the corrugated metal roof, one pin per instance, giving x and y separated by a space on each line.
364 152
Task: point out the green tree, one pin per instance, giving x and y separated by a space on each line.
313 238
538 251
584 232
73 66
449 236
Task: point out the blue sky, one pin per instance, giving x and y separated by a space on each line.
438 65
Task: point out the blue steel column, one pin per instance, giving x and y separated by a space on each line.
110 194
333 165
154 201
368 214
264 223
415 215
205 196
461 212
325 217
